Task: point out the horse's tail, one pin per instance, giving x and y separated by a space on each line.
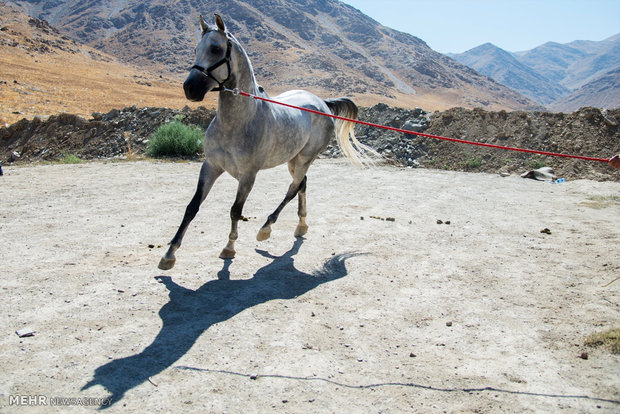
358 153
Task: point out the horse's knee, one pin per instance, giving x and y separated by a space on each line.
302 185
236 212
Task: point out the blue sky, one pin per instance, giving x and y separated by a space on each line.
514 25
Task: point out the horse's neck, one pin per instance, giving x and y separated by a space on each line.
236 108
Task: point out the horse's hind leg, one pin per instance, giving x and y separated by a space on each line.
298 186
302 227
208 175
245 186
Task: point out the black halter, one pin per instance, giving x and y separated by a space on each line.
207 72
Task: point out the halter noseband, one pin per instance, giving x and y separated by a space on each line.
207 72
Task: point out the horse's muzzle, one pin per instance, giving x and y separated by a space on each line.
196 86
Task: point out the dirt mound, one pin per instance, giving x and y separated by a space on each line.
115 134
588 132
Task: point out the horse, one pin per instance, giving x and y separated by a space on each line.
249 135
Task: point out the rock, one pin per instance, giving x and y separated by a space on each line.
25 332
541 174
413 126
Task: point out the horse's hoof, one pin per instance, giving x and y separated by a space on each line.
301 230
166 264
263 234
227 253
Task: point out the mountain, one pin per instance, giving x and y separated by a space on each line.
43 72
322 45
576 63
603 92
503 67
550 72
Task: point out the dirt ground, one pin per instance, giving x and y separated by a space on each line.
484 314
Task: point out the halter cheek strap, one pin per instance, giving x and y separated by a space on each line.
207 72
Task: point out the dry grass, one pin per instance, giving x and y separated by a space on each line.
599 202
608 339
42 85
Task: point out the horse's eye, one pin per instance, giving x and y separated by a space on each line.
216 50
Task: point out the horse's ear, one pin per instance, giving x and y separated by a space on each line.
203 25
220 23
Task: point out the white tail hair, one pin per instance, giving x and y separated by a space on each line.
359 154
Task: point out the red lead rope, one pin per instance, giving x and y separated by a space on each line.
462 141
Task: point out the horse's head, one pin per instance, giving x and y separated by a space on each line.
212 67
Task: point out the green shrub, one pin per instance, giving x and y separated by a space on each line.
70 159
473 163
537 163
175 139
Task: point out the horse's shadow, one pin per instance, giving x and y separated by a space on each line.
189 313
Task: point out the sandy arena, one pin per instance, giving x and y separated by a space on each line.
379 309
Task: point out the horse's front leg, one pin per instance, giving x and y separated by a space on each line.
245 186
208 175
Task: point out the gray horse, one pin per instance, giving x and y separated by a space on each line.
248 135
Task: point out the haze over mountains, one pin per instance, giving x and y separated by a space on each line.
322 45
564 77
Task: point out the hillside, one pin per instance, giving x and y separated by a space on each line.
322 45
603 92
43 72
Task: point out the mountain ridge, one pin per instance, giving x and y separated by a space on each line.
561 70
506 69
325 46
